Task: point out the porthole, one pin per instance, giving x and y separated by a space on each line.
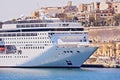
64 51
71 51
78 51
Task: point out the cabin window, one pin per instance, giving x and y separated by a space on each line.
9 34
13 35
5 35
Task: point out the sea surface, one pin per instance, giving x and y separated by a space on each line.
59 74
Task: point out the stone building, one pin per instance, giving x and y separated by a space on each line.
70 10
116 6
52 11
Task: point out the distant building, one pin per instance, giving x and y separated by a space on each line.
70 10
116 6
105 8
84 12
103 11
82 7
95 12
69 3
52 11
65 12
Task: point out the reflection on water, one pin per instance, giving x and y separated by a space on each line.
59 74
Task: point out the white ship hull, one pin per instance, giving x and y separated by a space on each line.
52 57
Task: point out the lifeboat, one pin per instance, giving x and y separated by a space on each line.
2 48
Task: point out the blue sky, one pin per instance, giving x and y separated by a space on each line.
10 9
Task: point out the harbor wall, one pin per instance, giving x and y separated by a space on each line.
108 41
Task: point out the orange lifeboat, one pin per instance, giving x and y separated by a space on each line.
2 48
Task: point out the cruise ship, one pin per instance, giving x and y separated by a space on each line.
44 43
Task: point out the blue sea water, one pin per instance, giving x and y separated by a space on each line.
59 74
